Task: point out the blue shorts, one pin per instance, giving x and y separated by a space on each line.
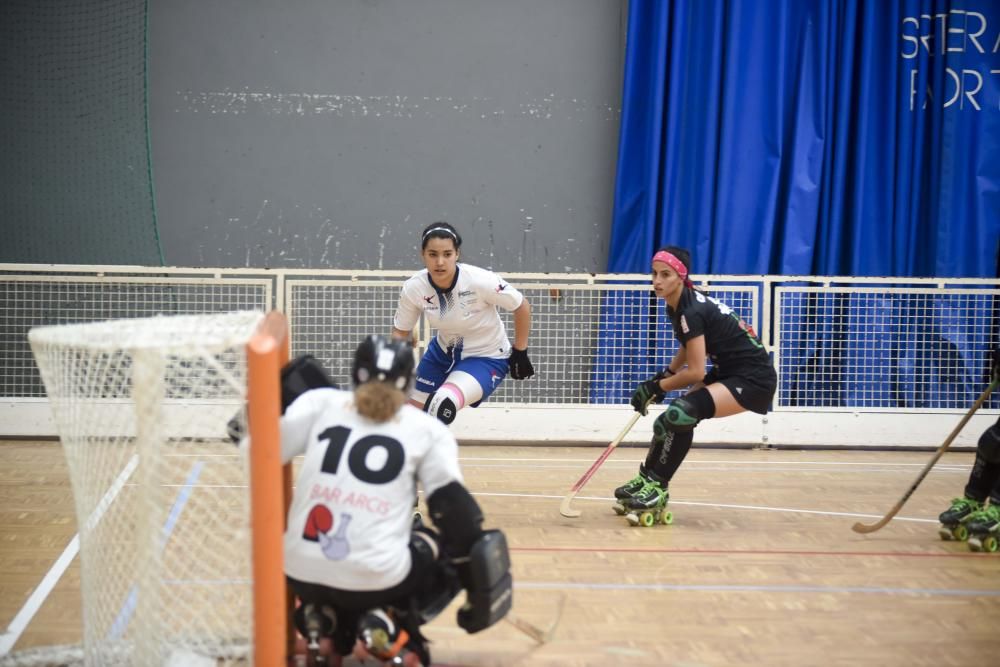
436 364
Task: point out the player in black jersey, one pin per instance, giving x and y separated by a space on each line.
742 378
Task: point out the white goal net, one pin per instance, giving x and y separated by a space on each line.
161 493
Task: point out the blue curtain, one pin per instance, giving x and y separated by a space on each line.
829 137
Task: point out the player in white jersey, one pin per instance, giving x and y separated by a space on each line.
352 555
470 355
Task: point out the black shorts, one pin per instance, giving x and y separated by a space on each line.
753 389
350 605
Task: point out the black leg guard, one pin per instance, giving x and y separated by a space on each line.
985 475
675 447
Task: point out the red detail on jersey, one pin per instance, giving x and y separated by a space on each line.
320 521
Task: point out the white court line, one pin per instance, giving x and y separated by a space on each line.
787 510
738 469
759 588
55 573
726 461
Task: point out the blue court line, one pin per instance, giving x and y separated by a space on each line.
753 588
121 621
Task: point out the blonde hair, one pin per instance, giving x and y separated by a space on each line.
378 401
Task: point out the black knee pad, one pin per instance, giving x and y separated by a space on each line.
441 407
989 444
680 416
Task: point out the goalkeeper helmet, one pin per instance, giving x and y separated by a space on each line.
383 359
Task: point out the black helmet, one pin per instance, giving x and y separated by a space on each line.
384 359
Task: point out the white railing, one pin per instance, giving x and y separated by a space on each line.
861 361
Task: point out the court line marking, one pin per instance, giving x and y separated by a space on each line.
705 588
760 588
38 596
754 552
790 510
125 613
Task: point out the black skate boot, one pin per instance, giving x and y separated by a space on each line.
629 489
984 529
954 519
649 505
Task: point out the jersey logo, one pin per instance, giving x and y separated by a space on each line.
429 299
739 390
684 325
501 287
337 547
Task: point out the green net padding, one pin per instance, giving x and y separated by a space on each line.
74 151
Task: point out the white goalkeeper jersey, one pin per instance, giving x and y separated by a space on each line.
465 317
352 511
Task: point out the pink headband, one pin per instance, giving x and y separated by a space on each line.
675 264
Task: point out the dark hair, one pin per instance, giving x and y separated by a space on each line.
440 230
679 253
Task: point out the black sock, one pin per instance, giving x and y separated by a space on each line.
675 448
652 455
983 479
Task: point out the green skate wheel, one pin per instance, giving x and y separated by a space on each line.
960 532
990 544
667 518
647 519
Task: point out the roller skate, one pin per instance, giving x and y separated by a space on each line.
649 505
984 529
316 623
382 637
628 490
954 519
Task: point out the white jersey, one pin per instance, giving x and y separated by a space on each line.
465 316
350 519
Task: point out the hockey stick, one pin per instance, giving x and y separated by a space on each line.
536 633
872 527
564 507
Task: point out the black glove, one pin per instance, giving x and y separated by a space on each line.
646 391
995 367
520 364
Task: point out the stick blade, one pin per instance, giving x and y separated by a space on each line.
566 510
865 528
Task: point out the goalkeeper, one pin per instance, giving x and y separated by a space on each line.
361 568
470 355
742 378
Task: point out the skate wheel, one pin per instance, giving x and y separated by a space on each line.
647 519
975 544
944 533
632 518
990 544
619 509
961 532
667 518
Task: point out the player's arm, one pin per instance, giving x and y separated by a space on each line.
522 324
407 315
691 371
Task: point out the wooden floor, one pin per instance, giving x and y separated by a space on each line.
759 568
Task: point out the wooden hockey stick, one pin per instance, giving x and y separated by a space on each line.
872 527
564 507
533 631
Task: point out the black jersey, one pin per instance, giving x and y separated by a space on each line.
730 343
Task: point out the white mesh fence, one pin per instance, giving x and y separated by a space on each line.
838 343
161 498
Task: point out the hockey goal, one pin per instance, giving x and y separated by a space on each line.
164 501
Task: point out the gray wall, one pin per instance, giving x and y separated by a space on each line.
327 133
